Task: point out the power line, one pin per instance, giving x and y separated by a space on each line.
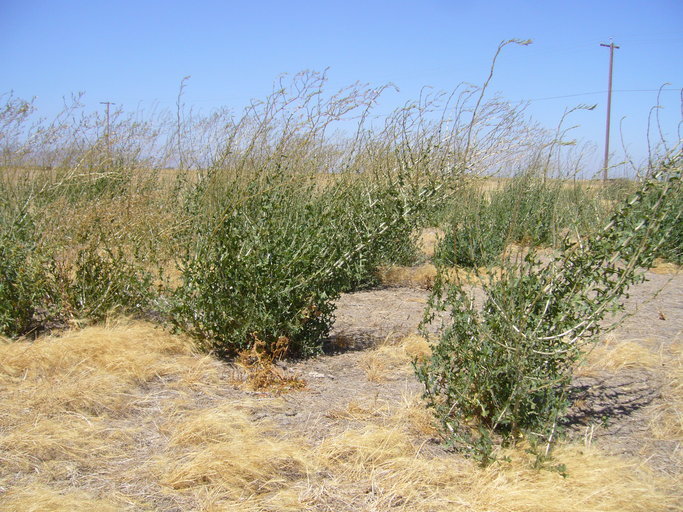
599 92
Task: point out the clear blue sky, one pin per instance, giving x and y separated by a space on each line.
136 52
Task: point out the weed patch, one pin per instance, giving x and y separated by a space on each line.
501 373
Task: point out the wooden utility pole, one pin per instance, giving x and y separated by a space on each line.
106 134
611 47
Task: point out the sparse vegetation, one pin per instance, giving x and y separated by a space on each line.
230 240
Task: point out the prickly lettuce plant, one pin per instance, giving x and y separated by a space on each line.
271 263
246 279
500 371
671 248
107 280
28 291
525 210
476 233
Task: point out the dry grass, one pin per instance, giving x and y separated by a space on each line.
421 276
42 498
66 403
395 475
260 373
242 462
428 239
91 371
153 427
667 420
665 267
612 355
392 359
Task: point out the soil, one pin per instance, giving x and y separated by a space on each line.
615 409
612 409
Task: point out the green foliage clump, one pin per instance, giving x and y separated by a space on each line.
270 263
246 278
27 287
502 371
526 210
41 288
380 222
107 280
529 205
476 234
671 248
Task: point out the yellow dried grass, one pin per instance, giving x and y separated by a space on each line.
421 276
667 418
212 425
428 239
665 267
246 464
613 355
360 451
130 350
215 456
400 477
81 442
88 371
42 498
393 360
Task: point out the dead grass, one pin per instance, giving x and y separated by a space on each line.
613 355
150 427
260 373
667 419
390 360
421 276
428 239
42 498
91 371
665 267
394 474
246 464
83 441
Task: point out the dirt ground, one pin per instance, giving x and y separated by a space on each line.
614 403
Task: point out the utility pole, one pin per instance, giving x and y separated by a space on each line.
106 134
611 47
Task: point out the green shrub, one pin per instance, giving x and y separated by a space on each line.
272 262
108 280
246 279
502 372
580 210
385 210
526 210
671 248
528 205
476 234
28 292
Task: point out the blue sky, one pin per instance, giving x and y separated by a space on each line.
135 53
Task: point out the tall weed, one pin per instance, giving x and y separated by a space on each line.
525 210
501 372
29 296
272 262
